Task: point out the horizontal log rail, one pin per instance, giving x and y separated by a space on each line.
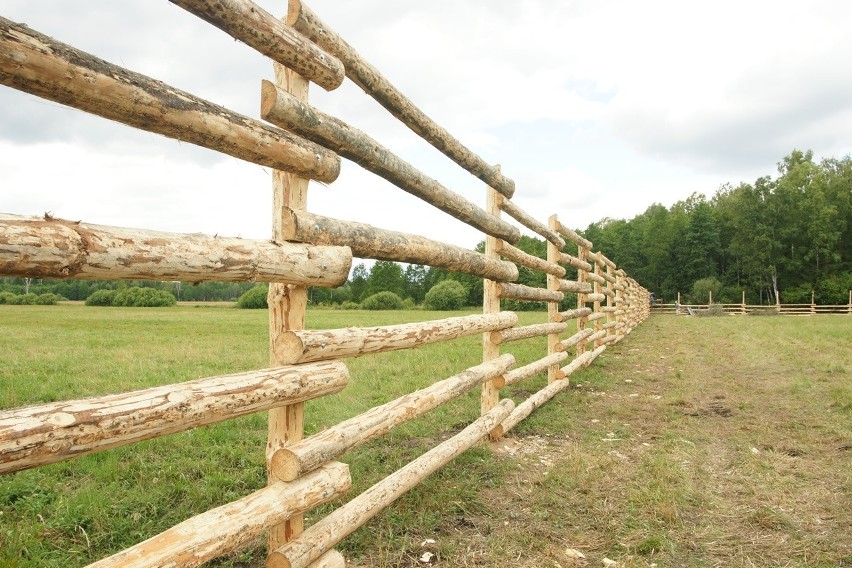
596 335
232 526
528 293
327 532
534 368
292 461
574 339
39 65
56 248
591 276
573 314
527 332
574 261
523 410
572 235
531 223
596 316
302 346
609 309
367 241
594 297
249 23
574 287
575 365
518 256
377 86
283 109
48 433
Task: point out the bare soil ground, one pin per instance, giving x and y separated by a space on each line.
694 442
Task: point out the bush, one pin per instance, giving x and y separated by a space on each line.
349 305
408 304
6 297
48 299
23 300
143 298
254 299
446 295
701 290
382 301
100 298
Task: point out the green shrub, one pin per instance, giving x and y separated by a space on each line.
702 288
446 295
143 298
100 298
23 299
254 299
48 299
6 297
408 304
382 301
349 305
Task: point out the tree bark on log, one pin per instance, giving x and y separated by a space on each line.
578 363
573 236
374 84
232 526
596 278
575 262
327 532
531 223
292 461
36 64
56 248
575 287
534 368
518 256
282 109
574 314
575 339
597 335
48 433
527 331
521 292
597 297
367 241
596 316
302 346
249 23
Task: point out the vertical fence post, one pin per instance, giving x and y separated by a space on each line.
743 306
849 305
490 304
582 254
287 305
813 302
609 299
552 307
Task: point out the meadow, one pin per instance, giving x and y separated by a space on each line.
712 441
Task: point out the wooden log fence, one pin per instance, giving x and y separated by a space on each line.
305 249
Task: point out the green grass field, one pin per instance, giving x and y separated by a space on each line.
712 441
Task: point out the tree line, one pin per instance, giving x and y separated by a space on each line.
784 236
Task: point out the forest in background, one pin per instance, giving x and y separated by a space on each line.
791 234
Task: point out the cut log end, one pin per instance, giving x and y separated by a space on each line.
285 465
277 560
289 347
268 96
294 11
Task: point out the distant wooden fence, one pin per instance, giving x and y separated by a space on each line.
306 249
743 308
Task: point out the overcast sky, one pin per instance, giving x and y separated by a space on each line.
595 108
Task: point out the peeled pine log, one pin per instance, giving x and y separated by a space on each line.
249 23
48 433
331 559
374 84
518 256
606 261
608 292
301 346
531 223
575 287
521 292
609 325
608 339
573 236
36 64
527 407
596 278
293 460
594 298
574 339
609 309
55 248
283 109
534 368
527 331
330 530
232 526
574 261
367 241
595 316
597 335
578 363
609 277
574 314
595 354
